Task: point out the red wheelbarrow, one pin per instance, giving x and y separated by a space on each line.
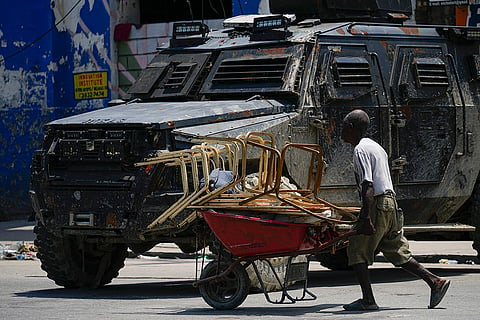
253 222
224 282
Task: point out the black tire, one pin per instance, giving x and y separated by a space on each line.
337 261
224 293
73 263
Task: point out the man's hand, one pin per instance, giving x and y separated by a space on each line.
364 226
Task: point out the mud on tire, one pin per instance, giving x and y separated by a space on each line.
73 263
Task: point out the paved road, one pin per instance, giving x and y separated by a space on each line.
159 288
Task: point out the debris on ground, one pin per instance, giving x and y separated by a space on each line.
18 251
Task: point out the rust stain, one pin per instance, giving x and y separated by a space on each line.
328 132
248 113
248 56
384 43
356 31
353 31
273 51
410 31
220 119
407 111
111 220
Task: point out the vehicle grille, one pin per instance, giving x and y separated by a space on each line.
253 71
430 72
352 71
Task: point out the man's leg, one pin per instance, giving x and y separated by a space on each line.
368 300
438 285
363 277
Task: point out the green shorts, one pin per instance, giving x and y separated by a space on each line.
388 237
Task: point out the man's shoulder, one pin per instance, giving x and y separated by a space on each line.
366 143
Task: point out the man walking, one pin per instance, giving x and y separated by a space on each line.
380 222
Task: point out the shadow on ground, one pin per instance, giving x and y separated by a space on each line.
184 289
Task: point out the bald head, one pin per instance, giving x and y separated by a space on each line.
358 120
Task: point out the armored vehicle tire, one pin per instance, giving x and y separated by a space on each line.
72 263
337 261
224 293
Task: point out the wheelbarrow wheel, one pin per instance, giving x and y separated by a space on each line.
227 292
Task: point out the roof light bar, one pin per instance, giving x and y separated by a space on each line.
271 27
188 34
268 23
189 29
460 33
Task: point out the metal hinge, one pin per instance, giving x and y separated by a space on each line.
318 121
398 119
399 164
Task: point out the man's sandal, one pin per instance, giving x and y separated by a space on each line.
437 295
360 305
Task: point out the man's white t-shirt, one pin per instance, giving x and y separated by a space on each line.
370 163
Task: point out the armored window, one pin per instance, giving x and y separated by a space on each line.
430 72
148 78
179 75
248 71
169 75
258 71
351 71
346 73
426 77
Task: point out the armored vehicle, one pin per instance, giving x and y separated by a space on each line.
294 74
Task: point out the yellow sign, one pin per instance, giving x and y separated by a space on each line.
90 85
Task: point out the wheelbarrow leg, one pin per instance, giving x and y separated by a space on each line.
298 272
294 272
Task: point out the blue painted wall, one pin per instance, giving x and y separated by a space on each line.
42 43
248 6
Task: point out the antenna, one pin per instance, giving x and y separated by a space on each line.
240 5
190 8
